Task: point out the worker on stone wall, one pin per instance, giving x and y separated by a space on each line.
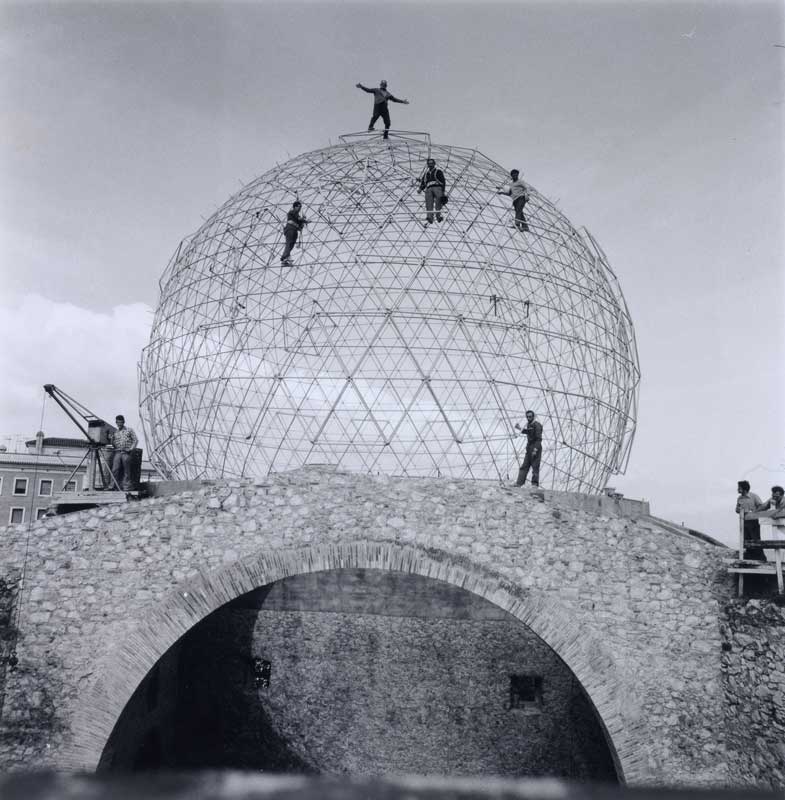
122 440
775 505
433 183
380 98
533 433
749 502
519 193
291 230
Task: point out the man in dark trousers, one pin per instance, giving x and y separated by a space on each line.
380 98
433 184
123 440
533 431
294 224
519 193
749 502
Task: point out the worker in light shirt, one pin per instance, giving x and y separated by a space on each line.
123 440
519 193
775 505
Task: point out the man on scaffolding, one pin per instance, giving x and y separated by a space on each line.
533 434
519 193
291 230
380 98
432 182
123 441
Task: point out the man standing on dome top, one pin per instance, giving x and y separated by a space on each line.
533 432
519 192
380 98
294 224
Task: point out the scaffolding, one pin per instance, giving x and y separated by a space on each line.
390 346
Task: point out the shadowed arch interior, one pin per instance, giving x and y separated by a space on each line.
364 672
121 670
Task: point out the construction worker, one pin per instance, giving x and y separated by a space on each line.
294 224
380 98
433 184
775 505
749 502
123 440
520 196
533 433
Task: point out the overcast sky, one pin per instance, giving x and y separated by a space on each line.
658 126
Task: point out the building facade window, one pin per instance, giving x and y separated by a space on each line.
40 513
45 487
20 486
69 486
16 516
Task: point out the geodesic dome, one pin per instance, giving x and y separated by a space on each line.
389 346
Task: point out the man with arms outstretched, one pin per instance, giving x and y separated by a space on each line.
380 98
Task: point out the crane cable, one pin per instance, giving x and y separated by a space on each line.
12 659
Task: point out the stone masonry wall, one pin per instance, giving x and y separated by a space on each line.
9 588
754 669
631 608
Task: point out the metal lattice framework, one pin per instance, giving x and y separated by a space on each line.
389 346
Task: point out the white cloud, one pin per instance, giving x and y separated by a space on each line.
90 355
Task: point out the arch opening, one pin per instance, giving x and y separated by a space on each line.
362 671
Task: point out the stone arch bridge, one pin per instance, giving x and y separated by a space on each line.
631 605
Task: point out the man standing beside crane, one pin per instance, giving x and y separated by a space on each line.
123 440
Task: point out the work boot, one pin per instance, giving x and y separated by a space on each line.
384 136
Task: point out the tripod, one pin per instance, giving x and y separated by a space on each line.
96 464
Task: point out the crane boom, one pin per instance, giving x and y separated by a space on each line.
97 430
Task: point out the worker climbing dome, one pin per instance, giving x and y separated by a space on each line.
387 344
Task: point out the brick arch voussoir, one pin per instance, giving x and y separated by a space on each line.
121 669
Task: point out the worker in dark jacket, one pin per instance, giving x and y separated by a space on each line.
533 433
294 224
380 98
433 184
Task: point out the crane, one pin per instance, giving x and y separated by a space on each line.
96 431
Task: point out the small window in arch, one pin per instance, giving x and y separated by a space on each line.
526 692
